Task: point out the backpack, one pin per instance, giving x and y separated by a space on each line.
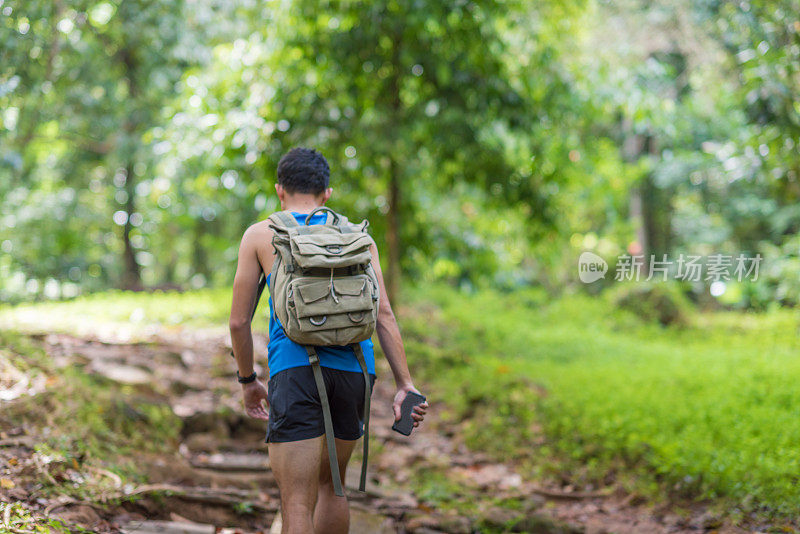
325 292
324 289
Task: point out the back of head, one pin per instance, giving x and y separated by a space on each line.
304 170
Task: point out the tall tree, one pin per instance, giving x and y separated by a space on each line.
400 91
87 81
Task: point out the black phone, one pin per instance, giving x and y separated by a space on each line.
405 424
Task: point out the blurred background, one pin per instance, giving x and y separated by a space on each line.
489 143
139 139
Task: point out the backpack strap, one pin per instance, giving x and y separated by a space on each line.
362 486
285 218
313 358
280 222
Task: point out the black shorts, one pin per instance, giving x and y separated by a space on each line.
295 411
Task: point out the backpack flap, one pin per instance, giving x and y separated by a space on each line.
329 248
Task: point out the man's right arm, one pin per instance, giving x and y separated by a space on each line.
245 284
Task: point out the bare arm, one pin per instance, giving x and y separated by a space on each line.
392 345
245 287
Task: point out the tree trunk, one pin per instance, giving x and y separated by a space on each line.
394 197
393 231
131 278
199 253
632 149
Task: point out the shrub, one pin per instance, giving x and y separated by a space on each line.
664 303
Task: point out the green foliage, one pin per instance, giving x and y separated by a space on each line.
139 139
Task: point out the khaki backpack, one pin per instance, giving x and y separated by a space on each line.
325 293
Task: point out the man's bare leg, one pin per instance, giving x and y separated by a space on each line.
332 515
296 465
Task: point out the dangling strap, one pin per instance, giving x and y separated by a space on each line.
367 394
326 417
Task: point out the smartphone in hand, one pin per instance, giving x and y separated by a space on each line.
406 423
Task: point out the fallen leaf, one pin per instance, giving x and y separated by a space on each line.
7 483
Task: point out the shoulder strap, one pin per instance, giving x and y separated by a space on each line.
287 220
284 218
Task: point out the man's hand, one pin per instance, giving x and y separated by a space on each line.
254 393
418 414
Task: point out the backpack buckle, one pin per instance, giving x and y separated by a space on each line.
316 321
360 316
334 249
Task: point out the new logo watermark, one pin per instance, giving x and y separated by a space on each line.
591 267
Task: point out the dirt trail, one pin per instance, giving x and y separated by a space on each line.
218 479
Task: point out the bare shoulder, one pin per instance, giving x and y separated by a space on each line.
258 233
258 238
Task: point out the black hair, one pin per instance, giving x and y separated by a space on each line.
304 170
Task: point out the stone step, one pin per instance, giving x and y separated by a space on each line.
228 461
361 522
167 527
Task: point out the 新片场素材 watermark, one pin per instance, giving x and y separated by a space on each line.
713 268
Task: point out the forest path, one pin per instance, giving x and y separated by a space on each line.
218 479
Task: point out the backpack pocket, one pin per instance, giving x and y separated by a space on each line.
334 311
331 249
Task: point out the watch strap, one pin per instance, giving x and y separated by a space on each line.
246 379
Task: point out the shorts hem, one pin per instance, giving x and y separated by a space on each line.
349 439
289 439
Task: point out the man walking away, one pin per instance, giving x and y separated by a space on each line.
295 432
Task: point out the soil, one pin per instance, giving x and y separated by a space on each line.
217 479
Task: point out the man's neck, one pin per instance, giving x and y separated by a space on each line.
300 202
302 207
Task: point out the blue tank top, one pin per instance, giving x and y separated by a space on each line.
283 353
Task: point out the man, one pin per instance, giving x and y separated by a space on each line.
295 434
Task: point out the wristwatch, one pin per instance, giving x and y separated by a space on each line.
245 379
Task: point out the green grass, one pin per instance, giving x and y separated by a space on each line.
577 388
707 411
130 311
20 519
83 418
